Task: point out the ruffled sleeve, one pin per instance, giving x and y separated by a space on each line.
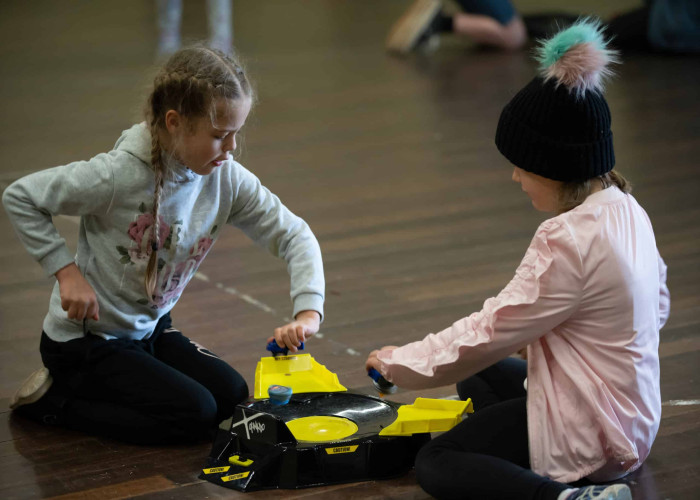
664 295
545 291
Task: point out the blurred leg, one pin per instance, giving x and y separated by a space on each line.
414 26
487 31
490 22
629 31
169 20
219 16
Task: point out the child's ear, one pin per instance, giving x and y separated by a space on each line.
173 121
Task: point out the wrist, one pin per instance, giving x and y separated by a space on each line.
308 315
66 272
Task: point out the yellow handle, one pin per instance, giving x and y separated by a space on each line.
236 460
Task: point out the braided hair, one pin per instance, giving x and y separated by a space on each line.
191 82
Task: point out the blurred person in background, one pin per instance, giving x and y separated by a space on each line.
659 25
219 18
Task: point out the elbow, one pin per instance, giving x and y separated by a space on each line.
8 197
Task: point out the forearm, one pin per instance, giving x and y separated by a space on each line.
448 356
80 188
264 219
528 308
305 268
35 229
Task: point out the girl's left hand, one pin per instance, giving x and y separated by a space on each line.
373 362
293 334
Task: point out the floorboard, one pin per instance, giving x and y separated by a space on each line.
392 163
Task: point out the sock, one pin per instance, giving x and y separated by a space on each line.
565 494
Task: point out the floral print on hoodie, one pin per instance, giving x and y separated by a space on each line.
172 277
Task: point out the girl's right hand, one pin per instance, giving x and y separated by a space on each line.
373 361
77 296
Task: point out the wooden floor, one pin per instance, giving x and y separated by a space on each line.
392 163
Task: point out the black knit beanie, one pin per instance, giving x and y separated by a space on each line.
558 126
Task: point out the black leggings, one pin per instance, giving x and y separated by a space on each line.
165 389
487 455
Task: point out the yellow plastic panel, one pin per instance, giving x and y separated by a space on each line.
301 372
321 428
428 415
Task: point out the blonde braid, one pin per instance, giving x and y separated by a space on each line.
189 84
151 278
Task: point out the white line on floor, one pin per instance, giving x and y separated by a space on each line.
682 402
250 300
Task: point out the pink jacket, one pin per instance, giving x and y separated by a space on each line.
588 299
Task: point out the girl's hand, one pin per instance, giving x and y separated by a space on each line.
77 296
293 334
373 362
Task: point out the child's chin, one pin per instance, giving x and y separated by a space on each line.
205 170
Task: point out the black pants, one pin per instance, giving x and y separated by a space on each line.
628 31
165 389
487 455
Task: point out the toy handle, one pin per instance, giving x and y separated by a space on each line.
376 376
382 384
275 349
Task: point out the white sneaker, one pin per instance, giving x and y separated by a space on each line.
611 492
32 389
413 26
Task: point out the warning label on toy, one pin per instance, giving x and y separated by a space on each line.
341 449
233 477
214 470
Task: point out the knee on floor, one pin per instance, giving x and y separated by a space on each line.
198 410
236 393
426 466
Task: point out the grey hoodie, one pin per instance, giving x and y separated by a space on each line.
113 195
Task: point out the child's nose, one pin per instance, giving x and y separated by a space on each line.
516 175
230 144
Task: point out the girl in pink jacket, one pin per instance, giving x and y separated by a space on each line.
587 300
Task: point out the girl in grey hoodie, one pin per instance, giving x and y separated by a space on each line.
150 211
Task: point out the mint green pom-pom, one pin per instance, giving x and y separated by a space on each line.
582 31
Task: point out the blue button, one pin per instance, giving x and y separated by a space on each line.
279 394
